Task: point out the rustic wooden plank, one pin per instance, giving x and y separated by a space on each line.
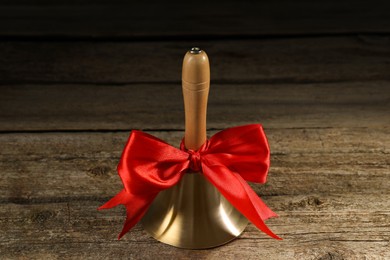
55 167
324 59
118 18
159 106
333 227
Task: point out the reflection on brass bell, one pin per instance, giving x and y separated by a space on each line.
193 214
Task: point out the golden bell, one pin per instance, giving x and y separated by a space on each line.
193 214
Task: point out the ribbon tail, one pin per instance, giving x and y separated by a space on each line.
119 199
240 195
136 208
261 208
134 213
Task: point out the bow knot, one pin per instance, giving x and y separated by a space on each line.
227 160
194 157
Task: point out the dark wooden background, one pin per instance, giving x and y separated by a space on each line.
76 76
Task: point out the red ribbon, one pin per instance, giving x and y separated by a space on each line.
228 159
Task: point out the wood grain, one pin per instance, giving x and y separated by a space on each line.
41 168
160 106
340 227
151 19
329 186
305 60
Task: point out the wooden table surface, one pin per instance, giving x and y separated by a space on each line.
77 76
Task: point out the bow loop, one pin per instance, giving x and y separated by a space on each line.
148 162
242 149
149 165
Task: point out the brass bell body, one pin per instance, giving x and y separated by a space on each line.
193 214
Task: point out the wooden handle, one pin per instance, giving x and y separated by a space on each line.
195 85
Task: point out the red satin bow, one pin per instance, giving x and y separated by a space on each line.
230 158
